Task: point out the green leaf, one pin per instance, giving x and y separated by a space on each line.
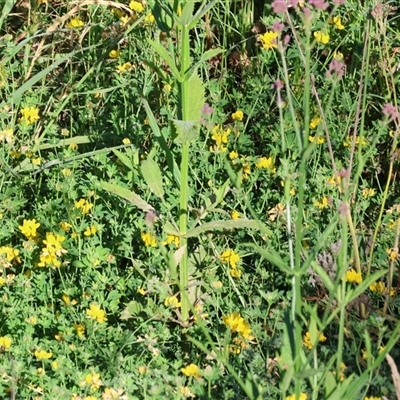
200 12
163 53
187 13
210 54
324 276
133 308
152 175
172 165
127 195
186 131
124 159
196 97
8 5
229 224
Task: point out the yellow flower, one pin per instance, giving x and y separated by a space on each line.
65 226
233 155
136 6
265 162
148 239
229 256
126 141
43 355
238 324
322 204
307 340
338 55
191 370
54 365
30 115
80 329
96 313
114 53
246 170
393 254
75 23
123 68
220 137
303 396
176 240
29 228
83 205
142 291
110 394
5 342
93 380
238 115
10 254
316 139
368 192
348 141
372 398
353 276
172 302
378 287
235 272
73 146
269 40
314 122
149 19
338 23
321 37
90 230
217 285
235 214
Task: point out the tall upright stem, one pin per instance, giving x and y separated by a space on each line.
183 212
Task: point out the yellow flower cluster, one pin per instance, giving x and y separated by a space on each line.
393 254
368 192
220 137
96 313
6 135
380 287
237 115
172 302
29 115
307 340
92 379
29 228
321 37
239 325
353 276
231 258
83 205
43 354
321 204
148 239
176 240
5 342
52 250
347 142
266 163
74 23
316 139
10 255
269 40
191 370
303 396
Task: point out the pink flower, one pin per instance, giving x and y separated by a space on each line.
277 27
336 68
207 109
339 2
279 6
390 111
319 4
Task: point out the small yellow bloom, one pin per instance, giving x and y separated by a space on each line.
149 19
372 398
265 162
136 6
143 370
191 370
114 53
6 135
43 355
30 115
303 396
93 380
307 340
90 230
5 342
237 115
393 254
126 141
235 214
338 55
269 40
54 365
217 285
368 192
353 276
80 329
322 204
235 272
316 139
321 37
238 324
29 228
148 239
75 23
96 313
338 23
314 122
233 155
172 302
124 67
142 291
176 240
83 205
229 256
378 287
65 226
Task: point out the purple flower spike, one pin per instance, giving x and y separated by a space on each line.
336 69
277 27
390 111
279 6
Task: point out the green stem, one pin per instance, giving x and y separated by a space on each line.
183 212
